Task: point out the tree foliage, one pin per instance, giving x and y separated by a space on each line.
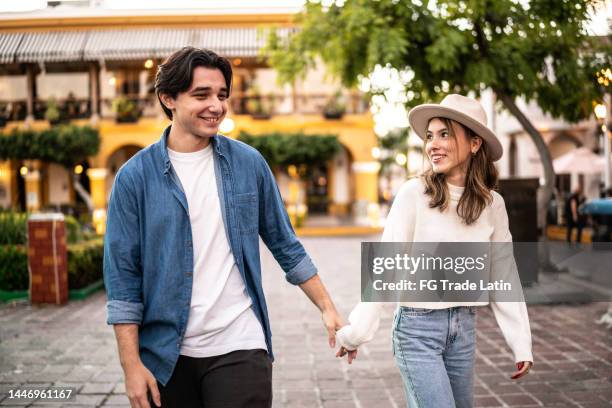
538 50
284 149
396 141
67 145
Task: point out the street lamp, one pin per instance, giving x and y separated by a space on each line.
401 159
602 113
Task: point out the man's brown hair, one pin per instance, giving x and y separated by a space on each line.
175 74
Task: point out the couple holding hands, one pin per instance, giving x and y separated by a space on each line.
182 268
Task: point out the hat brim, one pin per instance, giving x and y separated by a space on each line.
420 116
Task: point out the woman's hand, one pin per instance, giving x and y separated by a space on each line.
523 368
352 354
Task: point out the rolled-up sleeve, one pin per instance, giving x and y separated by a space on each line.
122 267
276 231
301 272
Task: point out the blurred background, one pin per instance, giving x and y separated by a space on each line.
322 90
92 63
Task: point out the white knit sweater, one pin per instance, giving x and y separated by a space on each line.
411 220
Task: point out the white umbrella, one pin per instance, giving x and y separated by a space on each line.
579 161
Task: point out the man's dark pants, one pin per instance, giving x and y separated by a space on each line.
240 379
570 227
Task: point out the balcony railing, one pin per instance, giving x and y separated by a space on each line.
287 104
239 104
69 108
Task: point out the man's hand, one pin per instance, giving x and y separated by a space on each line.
333 322
138 381
352 354
523 368
316 292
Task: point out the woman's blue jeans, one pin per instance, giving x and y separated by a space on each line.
434 350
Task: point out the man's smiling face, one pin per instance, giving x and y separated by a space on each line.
201 108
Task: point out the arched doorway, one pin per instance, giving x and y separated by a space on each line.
116 160
317 186
19 197
559 145
80 173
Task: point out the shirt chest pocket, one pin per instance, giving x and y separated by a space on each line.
247 212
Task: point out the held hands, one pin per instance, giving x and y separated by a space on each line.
523 368
352 354
333 322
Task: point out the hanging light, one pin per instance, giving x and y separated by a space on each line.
600 111
227 125
148 64
401 159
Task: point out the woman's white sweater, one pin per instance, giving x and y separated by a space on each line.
411 220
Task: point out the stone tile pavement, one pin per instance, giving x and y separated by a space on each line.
72 346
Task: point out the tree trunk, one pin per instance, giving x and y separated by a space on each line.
549 173
80 190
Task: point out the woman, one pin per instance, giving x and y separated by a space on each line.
434 343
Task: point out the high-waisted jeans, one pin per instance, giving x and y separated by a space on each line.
434 350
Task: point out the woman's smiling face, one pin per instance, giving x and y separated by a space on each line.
449 150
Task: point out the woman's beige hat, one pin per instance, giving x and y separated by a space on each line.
467 111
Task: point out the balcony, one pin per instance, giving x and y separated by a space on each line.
259 107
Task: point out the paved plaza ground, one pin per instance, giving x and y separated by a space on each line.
72 346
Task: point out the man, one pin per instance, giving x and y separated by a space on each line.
573 218
181 258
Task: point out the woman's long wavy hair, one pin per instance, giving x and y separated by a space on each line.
480 179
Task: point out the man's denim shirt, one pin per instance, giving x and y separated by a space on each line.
148 251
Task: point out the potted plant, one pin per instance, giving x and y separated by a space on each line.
334 108
52 113
72 106
255 105
126 110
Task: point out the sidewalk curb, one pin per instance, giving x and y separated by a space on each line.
73 294
337 231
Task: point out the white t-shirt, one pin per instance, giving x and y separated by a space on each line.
412 220
221 318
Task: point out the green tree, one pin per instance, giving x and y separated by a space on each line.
283 149
539 51
67 145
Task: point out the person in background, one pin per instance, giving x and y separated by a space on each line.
573 218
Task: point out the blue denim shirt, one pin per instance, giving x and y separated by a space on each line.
148 251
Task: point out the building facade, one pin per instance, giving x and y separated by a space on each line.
87 61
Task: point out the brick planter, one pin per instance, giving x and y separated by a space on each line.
47 259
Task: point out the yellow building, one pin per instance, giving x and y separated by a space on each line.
84 59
